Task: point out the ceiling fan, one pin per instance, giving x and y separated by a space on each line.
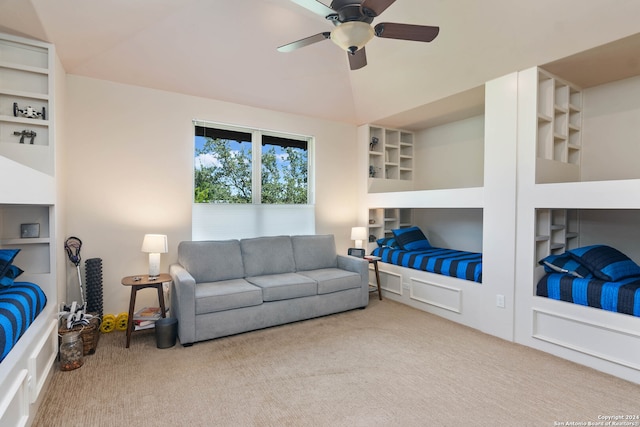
352 20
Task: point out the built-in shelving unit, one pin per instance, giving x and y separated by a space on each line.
390 154
559 129
557 230
577 121
25 103
383 220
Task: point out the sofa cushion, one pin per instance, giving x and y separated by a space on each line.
333 279
267 255
211 261
226 295
314 252
277 287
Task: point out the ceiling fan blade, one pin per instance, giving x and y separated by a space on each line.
375 6
358 59
304 42
315 7
419 33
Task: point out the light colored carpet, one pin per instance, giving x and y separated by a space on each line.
387 365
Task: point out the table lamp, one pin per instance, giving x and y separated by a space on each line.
359 234
154 245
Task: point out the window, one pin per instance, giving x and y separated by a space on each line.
284 174
250 183
222 166
241 166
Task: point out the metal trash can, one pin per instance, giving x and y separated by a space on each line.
166 332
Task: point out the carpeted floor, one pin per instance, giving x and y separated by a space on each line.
387 365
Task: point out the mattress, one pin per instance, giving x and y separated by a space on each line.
622 296
448 262
20 304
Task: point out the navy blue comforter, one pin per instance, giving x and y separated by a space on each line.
448 262
622 296
20 304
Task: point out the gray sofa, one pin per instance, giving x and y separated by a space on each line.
226 287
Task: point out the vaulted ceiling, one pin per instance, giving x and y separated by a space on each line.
226 50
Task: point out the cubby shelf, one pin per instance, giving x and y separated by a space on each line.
559 115
556 231
390 154
383 220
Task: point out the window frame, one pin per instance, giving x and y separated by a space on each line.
256 159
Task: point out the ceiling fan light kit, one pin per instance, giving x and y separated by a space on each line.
352 36
352 20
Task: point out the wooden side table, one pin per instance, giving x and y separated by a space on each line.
374 260
142 282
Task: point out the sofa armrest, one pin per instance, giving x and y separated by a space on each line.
183 302
360 266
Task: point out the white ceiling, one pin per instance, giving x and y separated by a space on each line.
226 50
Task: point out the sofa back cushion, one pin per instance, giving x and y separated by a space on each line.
267 255
212 261
314 252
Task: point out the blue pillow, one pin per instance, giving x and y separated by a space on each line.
6 258
565 263
8 278
411 239
605 262
387 242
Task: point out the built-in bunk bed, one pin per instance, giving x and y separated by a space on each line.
452 173
418 267
578 279
28 291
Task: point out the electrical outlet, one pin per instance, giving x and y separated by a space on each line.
406 286
500 300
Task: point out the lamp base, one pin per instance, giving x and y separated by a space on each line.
154 266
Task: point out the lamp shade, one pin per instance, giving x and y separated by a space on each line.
352 34
155 243
359 233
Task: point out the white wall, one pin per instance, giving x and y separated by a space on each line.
459 229
128 158
450 155
610 131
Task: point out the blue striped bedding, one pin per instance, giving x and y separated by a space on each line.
622 296
448 262
20 304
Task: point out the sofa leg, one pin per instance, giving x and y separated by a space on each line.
189 344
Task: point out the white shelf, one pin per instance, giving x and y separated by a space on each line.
30 241
26 68
24 121
24 94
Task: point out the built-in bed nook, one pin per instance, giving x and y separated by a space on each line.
588 264
439 260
